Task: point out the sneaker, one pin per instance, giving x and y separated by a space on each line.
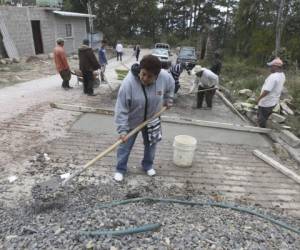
118 177
151 172
69 87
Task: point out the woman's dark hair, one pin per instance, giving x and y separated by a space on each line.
151 63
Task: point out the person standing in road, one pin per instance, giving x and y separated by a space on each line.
61 63
143 92
217 64
137 51
87 64
119 49
270 92
102 59
205 80
176 71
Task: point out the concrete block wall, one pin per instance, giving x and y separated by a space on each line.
18 23
47 22
19 29
78 32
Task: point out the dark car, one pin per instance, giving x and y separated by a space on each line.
187 55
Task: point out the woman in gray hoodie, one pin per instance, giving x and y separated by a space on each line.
143 92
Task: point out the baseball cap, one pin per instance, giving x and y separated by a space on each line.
276 62
60 40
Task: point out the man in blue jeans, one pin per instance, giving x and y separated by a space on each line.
142 94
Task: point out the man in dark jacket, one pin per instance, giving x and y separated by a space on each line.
87 64
217 64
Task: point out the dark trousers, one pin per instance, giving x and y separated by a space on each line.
66 76
263 115
119 55
137 56
88 80
208 96
177 87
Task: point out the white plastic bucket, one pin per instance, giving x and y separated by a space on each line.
184 149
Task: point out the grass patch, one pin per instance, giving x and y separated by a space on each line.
237 74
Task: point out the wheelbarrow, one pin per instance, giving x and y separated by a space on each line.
96 74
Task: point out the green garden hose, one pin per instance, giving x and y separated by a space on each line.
194 203
144 228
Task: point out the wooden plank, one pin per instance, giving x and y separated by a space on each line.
277 166
230 126
229 104
169 119
82 109
9 45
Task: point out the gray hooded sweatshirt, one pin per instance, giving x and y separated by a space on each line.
130 107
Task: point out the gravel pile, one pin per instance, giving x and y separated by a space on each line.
182 227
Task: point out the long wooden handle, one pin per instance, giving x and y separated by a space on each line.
112 147
229 104
195 92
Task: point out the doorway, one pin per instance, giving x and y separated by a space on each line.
3 53
37 37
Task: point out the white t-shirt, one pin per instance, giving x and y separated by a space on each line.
119 47
208 80
273 84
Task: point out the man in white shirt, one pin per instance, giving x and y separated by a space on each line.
119 49
270 92
205 80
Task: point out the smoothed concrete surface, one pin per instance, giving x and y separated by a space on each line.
95 123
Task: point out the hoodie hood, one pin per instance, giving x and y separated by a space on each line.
84 47
135 69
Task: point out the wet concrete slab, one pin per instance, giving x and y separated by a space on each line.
94 123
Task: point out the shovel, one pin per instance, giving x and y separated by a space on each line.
111 148
53 186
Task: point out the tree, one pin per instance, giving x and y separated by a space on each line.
279 26
75 6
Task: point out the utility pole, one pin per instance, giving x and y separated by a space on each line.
223 39
191 18
279 26
91 25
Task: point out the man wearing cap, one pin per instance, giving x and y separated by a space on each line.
205 80
87 64
61 63
270 92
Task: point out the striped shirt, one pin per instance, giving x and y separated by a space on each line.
175 71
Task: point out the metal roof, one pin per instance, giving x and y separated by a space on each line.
72 14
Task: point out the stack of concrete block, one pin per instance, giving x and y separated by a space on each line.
290 138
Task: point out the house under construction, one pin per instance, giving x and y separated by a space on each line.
32 30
